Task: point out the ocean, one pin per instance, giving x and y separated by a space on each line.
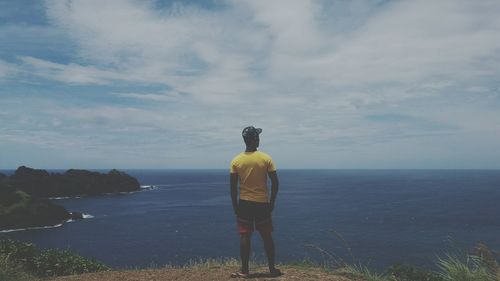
376 217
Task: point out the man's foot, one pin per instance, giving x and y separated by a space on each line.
275 272
239 275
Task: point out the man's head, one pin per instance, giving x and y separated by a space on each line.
251 136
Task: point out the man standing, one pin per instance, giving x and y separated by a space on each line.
254 208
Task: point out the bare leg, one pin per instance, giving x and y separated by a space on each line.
245 251
267 238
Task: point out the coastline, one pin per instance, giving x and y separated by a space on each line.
142 188
35 227
27 194
85 216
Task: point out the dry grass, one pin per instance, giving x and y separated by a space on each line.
208 272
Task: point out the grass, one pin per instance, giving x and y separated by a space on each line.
468 268
364 272
479 265
216 263
452 267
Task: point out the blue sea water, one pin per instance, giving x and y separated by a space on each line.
385 216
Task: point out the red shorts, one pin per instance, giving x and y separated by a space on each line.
254 213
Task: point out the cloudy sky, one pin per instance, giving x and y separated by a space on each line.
171 84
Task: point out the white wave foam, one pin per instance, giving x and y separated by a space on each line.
127 192
30 228
87 216
67 197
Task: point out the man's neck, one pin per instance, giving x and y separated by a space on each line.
251 149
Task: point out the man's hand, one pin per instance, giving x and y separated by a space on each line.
235 209
271 207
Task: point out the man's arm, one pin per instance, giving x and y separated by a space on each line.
234 190
274 187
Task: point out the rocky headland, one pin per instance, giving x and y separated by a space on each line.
24 195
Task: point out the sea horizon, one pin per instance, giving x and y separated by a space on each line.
279 169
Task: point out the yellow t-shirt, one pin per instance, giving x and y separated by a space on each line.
252 169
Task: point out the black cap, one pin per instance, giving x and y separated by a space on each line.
251 132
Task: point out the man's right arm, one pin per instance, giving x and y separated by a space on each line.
274 187
234 191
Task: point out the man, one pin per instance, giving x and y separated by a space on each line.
254 208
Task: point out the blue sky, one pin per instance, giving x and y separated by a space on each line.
171 84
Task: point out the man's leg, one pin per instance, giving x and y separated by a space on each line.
245 239
267 238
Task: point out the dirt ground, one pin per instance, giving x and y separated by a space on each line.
208 274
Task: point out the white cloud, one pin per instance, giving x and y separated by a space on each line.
166 97
7 69
256 46
68 73
414 41
308 70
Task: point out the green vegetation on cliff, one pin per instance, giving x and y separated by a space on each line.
20 210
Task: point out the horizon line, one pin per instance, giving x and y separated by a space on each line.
281 169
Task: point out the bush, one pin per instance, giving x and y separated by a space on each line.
18 252
58 263
12 271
